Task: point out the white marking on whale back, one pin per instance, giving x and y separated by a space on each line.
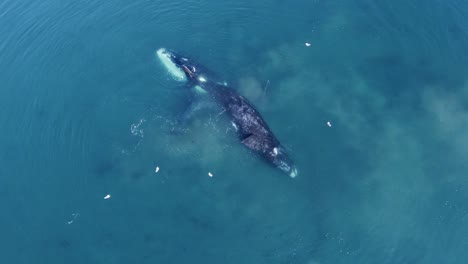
175 71
202 79
234 125
293 173
275 151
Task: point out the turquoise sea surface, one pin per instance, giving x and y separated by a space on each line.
86 111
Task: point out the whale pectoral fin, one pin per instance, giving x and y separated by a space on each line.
195 106
253 142
183 119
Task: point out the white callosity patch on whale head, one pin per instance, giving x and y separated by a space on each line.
173 69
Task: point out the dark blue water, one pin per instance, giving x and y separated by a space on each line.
86 111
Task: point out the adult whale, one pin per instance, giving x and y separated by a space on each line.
252 129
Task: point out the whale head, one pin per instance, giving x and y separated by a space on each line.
173 64
280 159
183 68
180 67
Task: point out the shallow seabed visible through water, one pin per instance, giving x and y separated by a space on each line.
87 110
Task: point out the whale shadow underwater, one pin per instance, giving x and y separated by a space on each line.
250 126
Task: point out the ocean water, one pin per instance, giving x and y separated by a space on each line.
87 110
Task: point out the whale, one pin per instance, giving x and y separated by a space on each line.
251 128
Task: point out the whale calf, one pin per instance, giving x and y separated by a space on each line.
250 126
